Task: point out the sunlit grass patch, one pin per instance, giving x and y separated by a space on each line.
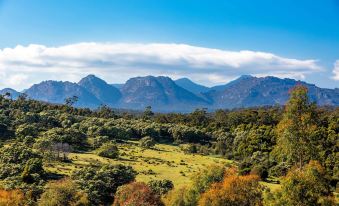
161 162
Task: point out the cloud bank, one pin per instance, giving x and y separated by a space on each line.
22 66
336 70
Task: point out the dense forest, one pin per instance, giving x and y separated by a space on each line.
294 147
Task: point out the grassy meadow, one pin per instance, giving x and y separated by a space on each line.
161 162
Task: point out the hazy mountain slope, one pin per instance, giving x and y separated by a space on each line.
162 93
224 86
57 92
250 91
118 86
14 94
191 86
104 92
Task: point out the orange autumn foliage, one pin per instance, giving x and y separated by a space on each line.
233 191
136 194
11 198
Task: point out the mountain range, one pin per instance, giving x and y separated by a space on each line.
182 95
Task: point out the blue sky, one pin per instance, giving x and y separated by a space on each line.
307 31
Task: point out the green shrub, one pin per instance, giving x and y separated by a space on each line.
108 150
189 148
260 171
99 141
161 187
63 192
306 186
101 183
146 142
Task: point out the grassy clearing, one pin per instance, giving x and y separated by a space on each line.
271 186
161 162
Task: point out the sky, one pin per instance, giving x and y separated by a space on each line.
209 41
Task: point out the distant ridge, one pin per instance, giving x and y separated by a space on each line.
14 94
248 91
118 86
58 91
191 86
223 87
104 92
182 95
162 93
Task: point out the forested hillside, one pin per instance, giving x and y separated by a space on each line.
62 155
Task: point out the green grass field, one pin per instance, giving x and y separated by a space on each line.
161 162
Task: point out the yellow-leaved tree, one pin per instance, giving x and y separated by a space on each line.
296 143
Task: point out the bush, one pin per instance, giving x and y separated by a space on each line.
260 171
108 150
201 181
3 131
234 190
146 142
182 134
101 183
189 148
73 137
306 186
26 130
279 170
203 149
63 192
33 171
19 164
161 187
178 197
11 198
136 194
99 141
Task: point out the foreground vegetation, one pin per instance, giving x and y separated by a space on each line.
61 155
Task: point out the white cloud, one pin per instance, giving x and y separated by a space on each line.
116 62
336 70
